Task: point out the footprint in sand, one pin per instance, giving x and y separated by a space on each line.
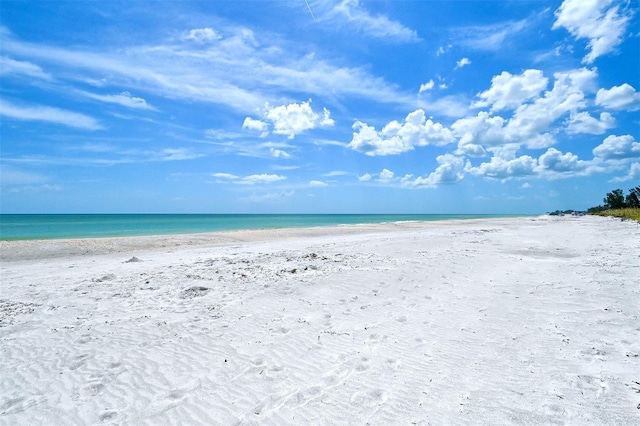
591 383
78 361
85 338
191 292
363 364
371 398
93 389
107 416
392 363
592 354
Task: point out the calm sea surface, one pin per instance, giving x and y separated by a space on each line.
55 226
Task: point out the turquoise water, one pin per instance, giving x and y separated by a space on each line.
56 226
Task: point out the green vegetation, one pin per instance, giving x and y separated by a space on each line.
633 214
617 205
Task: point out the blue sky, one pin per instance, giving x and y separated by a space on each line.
320 107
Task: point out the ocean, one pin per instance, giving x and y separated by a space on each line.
59 226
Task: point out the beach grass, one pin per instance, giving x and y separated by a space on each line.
628 213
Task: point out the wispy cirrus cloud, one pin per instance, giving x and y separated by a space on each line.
48 114
229 70
100 154
10 66
354 14
262 178
488 37
124 99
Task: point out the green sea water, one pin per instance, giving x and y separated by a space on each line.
57 226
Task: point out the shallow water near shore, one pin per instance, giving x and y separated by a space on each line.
57 226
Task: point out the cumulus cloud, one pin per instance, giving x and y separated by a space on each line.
426 86
555 161
256 125
202 34
450 170
365 177
462 62
583 122
567 95
619 97
470 149
505 169
278 153
509 91
317 183
48 114
386 175
617 148
482 129
634 174
534 111
396 137
289 120
594 20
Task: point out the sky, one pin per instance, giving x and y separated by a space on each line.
318 106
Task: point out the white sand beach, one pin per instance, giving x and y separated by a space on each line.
496 321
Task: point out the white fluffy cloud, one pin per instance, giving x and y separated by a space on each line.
534 111
462 62
386 175
365 177
290 120
583 122
634 174
396 137
426 86
509 91
202 34
619 97
483 129
278 153
450 170
317 183
501 168
256 125
555 161
617 148
594 20
567 95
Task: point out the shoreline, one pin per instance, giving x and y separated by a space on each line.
32 249
82 226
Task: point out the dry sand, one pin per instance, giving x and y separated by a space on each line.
503 321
